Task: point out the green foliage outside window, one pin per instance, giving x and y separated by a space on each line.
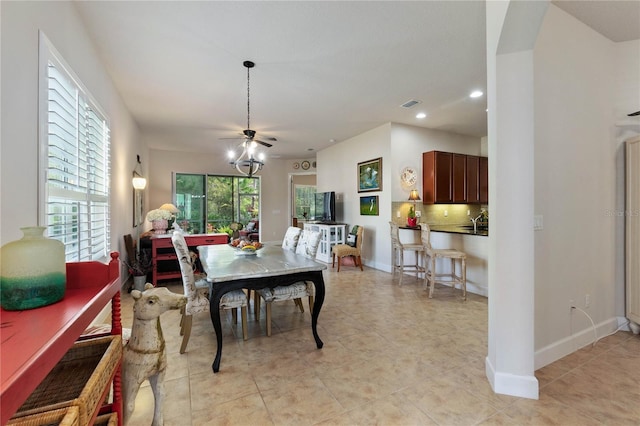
211 202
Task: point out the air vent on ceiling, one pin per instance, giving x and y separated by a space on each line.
410 103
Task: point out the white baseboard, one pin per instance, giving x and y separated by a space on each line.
577 340
511 384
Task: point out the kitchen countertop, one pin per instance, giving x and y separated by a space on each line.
455 229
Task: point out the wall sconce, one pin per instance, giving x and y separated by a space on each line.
138 181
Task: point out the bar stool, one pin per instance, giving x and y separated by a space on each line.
397 254
431 277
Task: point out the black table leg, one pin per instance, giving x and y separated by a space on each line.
214 310
318 282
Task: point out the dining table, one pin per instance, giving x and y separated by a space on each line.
229 268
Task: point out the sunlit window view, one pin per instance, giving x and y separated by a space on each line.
212 203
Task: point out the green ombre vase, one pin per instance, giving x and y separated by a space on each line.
32 271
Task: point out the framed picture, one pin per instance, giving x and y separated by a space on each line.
369 205
138 218
370 175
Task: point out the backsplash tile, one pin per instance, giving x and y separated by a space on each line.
433 214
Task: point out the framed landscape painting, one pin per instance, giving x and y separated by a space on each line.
370 175
369 206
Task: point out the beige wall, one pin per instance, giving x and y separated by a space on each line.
581 81
20 23
274 213
399 146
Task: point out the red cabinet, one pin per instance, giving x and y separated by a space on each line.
449 178
164 260
34 340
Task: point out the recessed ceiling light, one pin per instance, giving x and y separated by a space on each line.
421 115
476 94
332 140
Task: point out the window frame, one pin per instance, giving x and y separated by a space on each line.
82 252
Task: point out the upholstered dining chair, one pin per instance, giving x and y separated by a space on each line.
289 242
430 257
397 254
197 292
344 250
307 246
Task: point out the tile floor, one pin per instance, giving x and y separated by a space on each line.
391 356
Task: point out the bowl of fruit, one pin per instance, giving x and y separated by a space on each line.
244 247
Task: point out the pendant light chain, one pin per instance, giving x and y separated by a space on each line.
248 98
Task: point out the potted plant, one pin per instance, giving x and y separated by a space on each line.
139 269
160 220
412 220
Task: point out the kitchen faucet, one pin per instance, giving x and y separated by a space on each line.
475 222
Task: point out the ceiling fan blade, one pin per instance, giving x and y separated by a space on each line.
242 138
268 145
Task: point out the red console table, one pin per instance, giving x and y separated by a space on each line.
33 341
163 255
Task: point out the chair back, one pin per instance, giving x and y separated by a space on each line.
186 267
308 243
425 236
359 236
291 237
131 249
395 234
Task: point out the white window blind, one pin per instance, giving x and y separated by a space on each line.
75 150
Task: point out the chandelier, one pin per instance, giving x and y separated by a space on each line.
248 163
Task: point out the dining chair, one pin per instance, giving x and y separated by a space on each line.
397 254
344 250
306 246
431 255
197 292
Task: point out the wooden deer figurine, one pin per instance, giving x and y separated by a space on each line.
144 354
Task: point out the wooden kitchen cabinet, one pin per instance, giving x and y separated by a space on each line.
163 256
449 178
473 179
436 177
484 180
459 178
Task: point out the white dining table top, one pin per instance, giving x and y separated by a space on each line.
225 263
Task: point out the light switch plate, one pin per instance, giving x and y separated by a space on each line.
538 222
418 213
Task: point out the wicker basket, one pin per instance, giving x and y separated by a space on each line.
68 416
80 379
107 420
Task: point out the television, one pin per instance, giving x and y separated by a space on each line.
325 207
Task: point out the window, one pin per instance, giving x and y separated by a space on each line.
209 202
74 162
304 201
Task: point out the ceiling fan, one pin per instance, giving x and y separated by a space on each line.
249 135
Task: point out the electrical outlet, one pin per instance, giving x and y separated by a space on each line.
468 212
446 213
587 300
398 213
418 213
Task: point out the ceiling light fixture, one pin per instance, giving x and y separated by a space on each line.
476 94
248 163
421 115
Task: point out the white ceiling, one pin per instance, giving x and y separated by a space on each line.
324 70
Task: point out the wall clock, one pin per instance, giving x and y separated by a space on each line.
306 165
409 176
